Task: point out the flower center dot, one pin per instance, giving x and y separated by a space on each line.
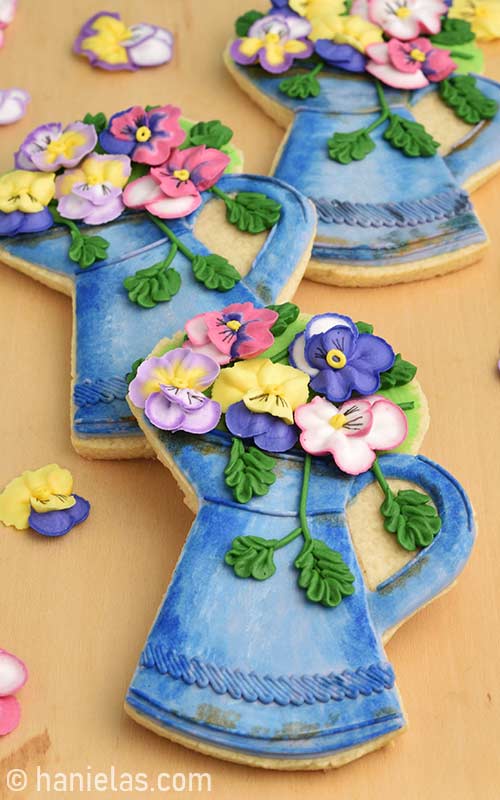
338 421
274 390
92 181
143 134
182 174
336 359
272 38
179 383
417 55
403 12
233 324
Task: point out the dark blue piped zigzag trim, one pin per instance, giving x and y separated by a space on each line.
444 205
89 392
283 690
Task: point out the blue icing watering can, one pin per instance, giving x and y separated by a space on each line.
111 332
388 210
243 669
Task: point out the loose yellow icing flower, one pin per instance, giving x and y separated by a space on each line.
46 489
483 15
29 192
108 41
264 388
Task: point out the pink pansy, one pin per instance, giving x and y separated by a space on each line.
13 676
173 190
409 65
148 137
405 19
238 331
13 104
352 432
7 13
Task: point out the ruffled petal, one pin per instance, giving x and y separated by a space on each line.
162 413
10 714
390 426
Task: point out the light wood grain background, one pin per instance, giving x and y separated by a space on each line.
78 610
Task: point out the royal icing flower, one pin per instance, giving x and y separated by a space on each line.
338 358
323 15
148 137
238 331
483 15
93 191
13 104
274 41
409 65
110 44
13 676
341 56
43 500
24 197
406 19
258 398
7 14
170 390
49 147
173 190
353 432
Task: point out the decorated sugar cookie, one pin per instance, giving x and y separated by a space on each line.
114 213
318 531
389 127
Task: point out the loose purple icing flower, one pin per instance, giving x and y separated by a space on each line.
339 359
268 432
341 56
49 147
148 137
58 523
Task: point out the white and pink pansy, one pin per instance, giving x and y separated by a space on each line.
353 432
405 19
13 676
409 65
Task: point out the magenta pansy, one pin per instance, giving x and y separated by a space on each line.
148 137
409 65
352 432
173 190
238 331
13 676
406 19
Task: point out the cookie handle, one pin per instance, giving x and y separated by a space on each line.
436 566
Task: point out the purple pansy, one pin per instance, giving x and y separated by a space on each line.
274 41
50 147
148 137
342 56
18 222
268 432
58 523
340 359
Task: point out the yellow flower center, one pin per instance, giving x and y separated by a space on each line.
64 146
272 38
274 390
336 359
233 324
338 421
143 134
180 383
417 55
93 180
182 174
403 12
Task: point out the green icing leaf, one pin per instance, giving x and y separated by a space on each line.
211 134
129 377
248 472
348 147
411 516
252 557
410 137
364 327
287 314
86 250
99 121
245 22
215 272
300 87
324 574
251 212
466 100
401 373
156 284
453 31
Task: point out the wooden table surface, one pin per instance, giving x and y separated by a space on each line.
78 609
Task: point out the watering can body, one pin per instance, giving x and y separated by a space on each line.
111 332
252 671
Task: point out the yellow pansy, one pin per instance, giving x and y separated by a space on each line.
264 387
94 171
46 489
483 15
357 32
22 190
322 14
107 43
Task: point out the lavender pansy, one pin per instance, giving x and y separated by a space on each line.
339 359
50 147
274 41
93 191
110 44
